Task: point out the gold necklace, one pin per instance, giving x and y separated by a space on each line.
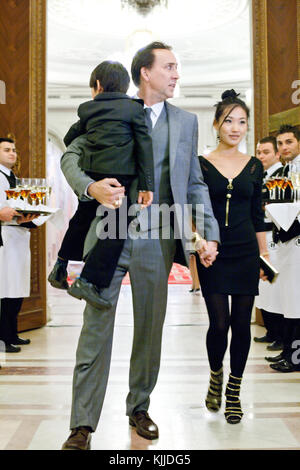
228 197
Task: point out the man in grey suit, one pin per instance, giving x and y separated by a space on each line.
148 257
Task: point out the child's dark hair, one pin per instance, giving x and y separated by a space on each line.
230 99
112 76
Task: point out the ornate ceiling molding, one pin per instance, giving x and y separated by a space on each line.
108 16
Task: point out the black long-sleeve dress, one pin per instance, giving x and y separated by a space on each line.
237 207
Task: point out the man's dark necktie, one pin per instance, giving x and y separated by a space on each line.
12 184
265 174
12 180
148 119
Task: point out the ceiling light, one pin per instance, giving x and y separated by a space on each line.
144 7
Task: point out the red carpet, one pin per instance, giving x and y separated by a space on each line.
178 275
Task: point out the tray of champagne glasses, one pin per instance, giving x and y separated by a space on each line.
30 196
277 186
32 211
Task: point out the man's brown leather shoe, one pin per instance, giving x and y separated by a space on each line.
144 425
79 439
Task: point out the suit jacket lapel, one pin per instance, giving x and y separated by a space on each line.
174 132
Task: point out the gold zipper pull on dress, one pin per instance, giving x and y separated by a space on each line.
228 197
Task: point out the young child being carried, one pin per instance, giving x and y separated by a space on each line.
117 145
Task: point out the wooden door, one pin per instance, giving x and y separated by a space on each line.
276 64
276 68
22 106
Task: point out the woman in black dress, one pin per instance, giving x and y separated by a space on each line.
234 180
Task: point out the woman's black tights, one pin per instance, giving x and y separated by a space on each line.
221 318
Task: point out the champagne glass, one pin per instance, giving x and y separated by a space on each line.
38 187
285 184
9 195
16 194
273 185
289 181
295 178
269 184
25 190
33 191
279 183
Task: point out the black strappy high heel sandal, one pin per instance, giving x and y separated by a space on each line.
214 395
233 411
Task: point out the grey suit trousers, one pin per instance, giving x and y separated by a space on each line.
149 262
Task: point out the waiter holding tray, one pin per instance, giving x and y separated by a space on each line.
287 237
14 253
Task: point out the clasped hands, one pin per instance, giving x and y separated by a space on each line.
207 251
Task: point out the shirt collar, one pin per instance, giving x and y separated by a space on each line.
297 159
156 108
273 168
5 170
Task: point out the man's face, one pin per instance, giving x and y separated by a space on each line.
162 77
288 146
8 154
266 154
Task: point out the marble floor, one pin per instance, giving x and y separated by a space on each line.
35 392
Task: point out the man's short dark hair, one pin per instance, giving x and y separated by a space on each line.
7 139
112 76
288 128
145 58
270 139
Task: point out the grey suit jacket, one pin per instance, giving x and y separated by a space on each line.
190 192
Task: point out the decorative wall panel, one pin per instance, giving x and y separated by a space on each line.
22 68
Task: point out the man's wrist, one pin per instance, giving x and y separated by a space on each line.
86 192
214 242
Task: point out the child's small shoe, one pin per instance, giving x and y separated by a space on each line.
58 276
82 289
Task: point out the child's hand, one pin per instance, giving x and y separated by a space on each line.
145 198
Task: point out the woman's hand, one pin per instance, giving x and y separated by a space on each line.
262 275
208 256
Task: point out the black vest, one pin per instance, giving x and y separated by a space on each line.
12 183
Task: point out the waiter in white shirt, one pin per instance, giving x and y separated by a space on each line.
14 253
268 299
288 243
